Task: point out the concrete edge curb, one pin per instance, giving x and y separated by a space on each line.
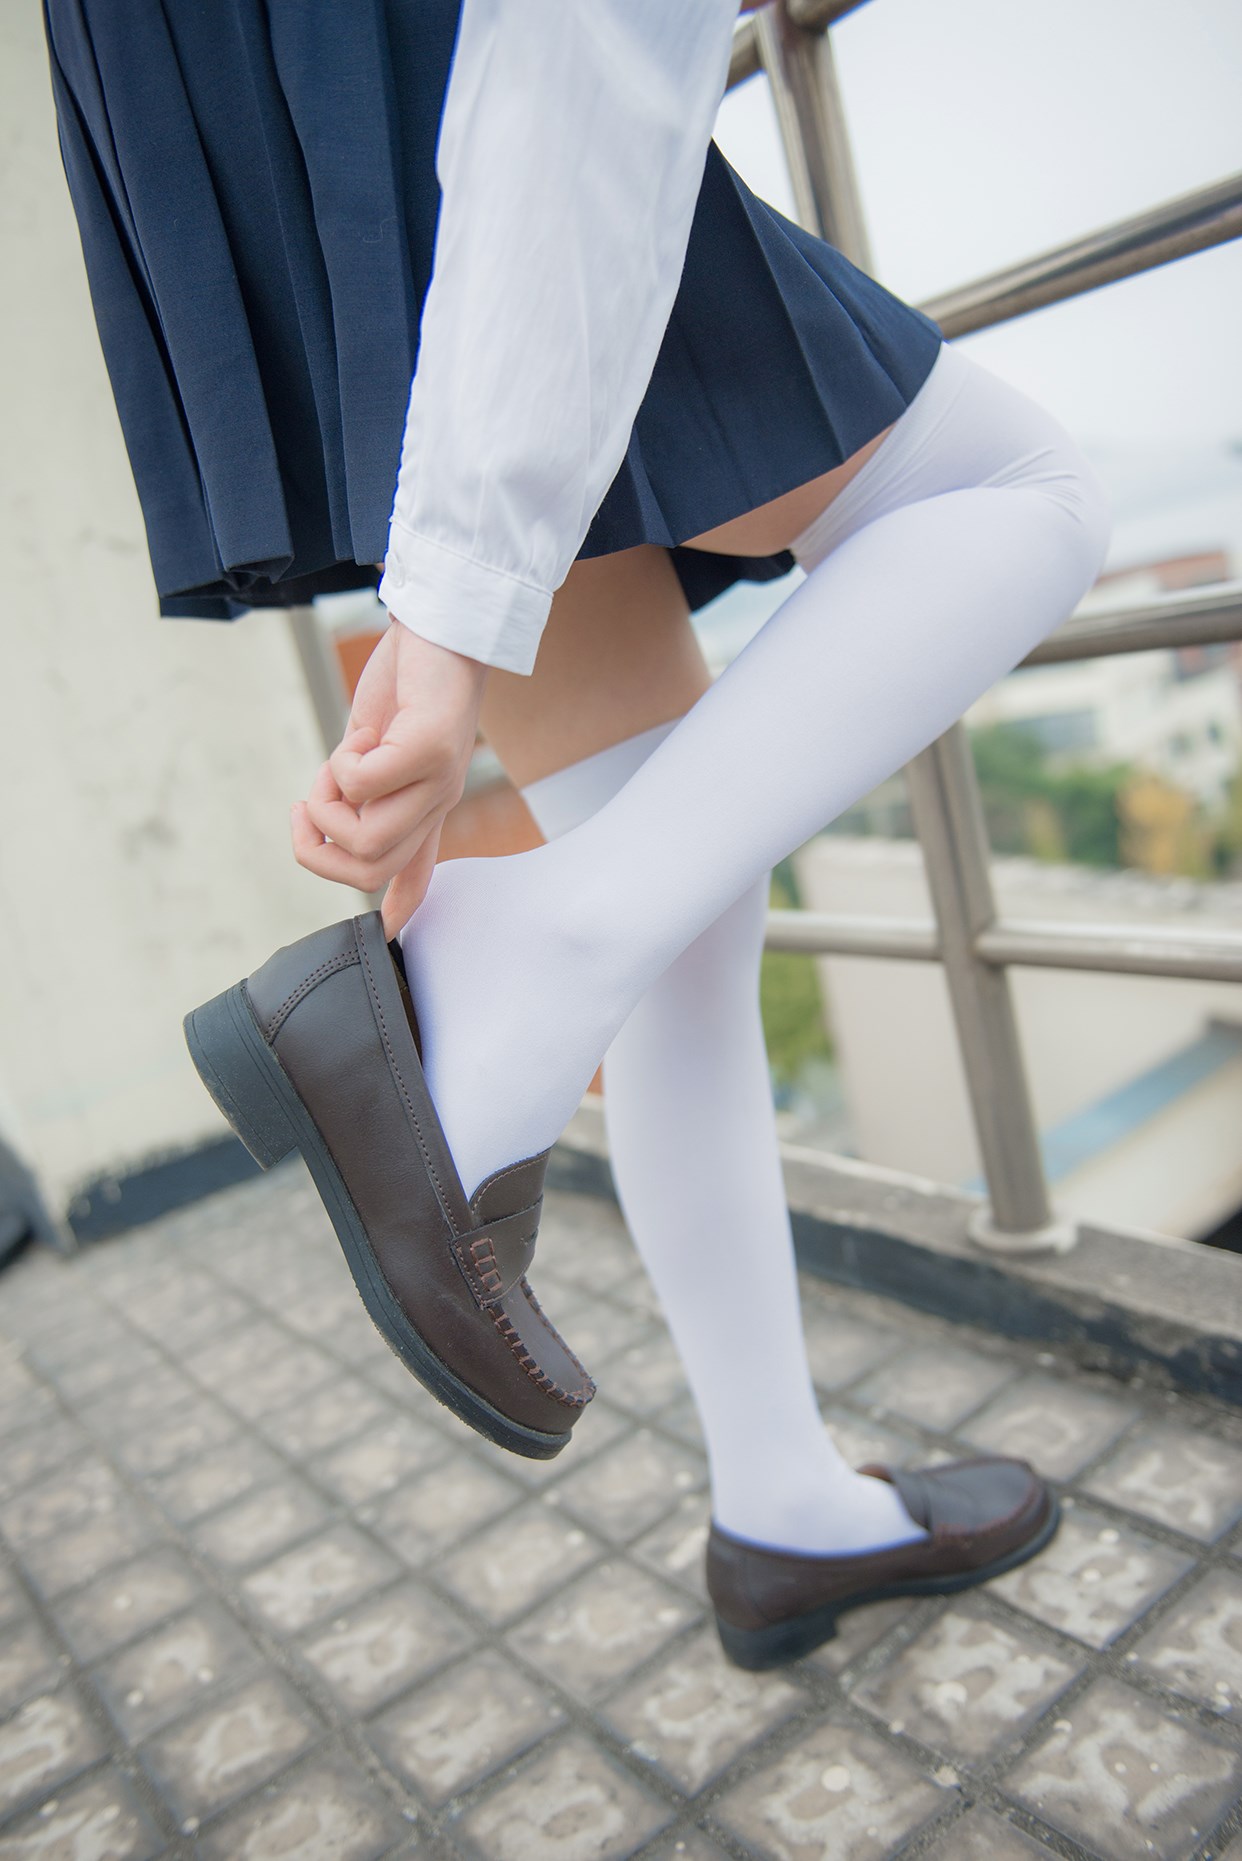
1125 1301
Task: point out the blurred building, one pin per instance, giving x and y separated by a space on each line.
1176 714
1137 1081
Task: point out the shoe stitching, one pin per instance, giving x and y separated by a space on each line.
341 961
498 1176
574 1399
528 1289
397 1074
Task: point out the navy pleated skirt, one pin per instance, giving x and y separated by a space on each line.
255 187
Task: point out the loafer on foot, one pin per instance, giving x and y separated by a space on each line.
317 1051
982 1516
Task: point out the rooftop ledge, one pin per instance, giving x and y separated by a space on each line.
1127 1301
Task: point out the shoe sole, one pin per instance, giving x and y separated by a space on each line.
757 1648
263 1106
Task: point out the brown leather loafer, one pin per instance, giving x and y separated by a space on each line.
317 1051
982 1516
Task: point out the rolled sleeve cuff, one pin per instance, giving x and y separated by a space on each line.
463 604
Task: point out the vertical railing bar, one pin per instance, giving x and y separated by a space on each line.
943 789
321 670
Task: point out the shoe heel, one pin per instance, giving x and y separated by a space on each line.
242 1075
757 1648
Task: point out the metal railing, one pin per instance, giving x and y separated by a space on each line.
789 42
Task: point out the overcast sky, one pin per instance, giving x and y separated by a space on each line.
987 130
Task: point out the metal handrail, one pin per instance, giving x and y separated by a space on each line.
789 42
1210 616
1192 222
1121 949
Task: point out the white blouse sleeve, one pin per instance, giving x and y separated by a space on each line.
571 153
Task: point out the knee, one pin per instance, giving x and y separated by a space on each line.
1082 495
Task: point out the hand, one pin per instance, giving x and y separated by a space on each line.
376 808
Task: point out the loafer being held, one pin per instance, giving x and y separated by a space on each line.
317 1051
982 1516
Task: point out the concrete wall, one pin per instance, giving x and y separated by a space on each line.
147 764
1085 1035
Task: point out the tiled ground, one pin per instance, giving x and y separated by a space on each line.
262 1600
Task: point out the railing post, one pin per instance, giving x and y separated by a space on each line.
944 793
321 669
948 817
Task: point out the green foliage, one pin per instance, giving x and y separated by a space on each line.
1060 813
790 999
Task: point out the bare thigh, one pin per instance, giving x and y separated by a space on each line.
618 654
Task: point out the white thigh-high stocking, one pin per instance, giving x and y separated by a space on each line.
692 1138
967 536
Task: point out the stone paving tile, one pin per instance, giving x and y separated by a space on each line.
325 1809
840 1348
1057 1423
839 1792
937 1386
169 1671
595 1428
644 1376
121 1604
29 1663
236 1466
93 1377
568 1803
381 1457
28 1408
1197 1648
288 1374
861 1440
965 1685
69 1527
1127 1781
1094 1579
375 1651
676 1548
47 1741
595 1633
681 1418
1179 1476
427 1515
161 1445
982 1836
858 1632
338 1411
203 1763
265 1520
13 1601
508 1567
99 1819
327 1573
696 1713
82 1491
597 1330
693 1846
265 1356
630 1485
134 1404
32 1453
465 1725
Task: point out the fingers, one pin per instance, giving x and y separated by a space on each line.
369 772
329 861
373 832
409 886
